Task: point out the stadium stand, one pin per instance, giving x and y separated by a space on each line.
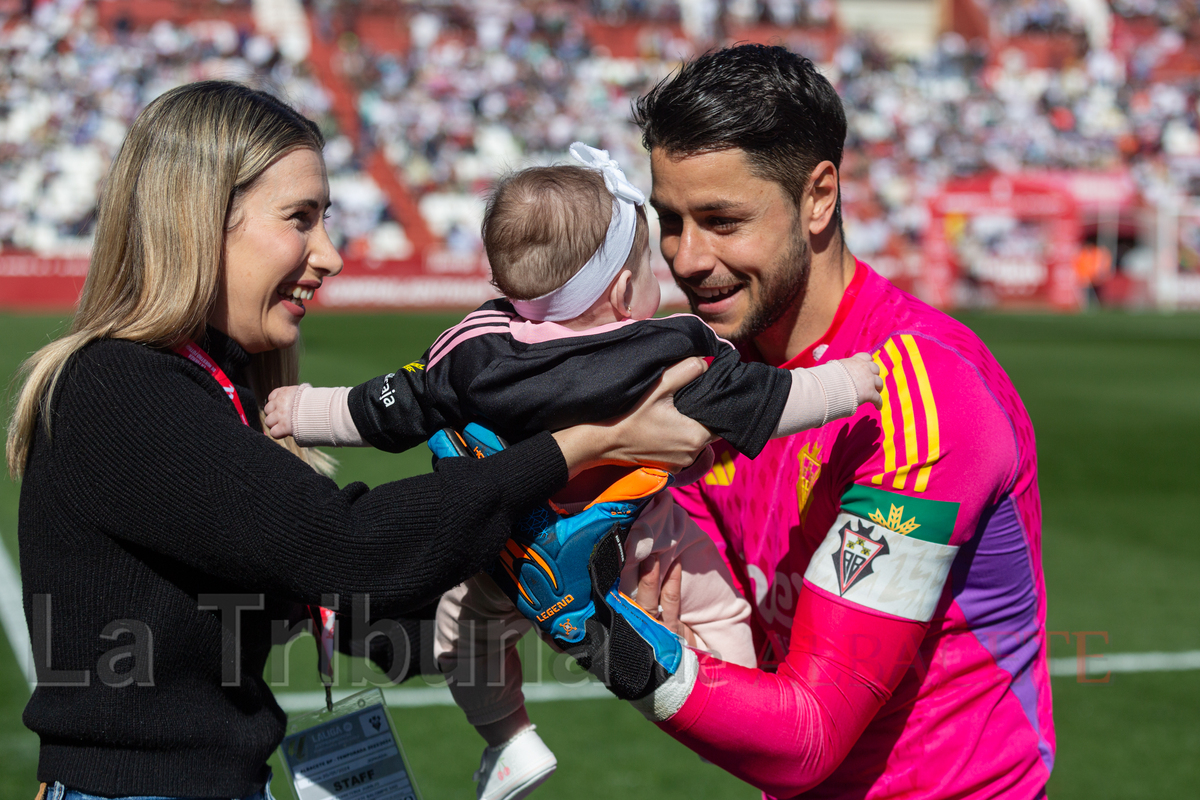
423 109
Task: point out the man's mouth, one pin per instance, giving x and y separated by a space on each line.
715 299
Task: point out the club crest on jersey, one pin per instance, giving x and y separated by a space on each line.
854 560
810 469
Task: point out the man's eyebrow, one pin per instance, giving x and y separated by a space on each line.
712 205
718 205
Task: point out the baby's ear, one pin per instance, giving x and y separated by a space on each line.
620 296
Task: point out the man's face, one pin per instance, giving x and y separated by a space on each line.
734 241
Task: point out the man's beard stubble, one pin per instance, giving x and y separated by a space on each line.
779 289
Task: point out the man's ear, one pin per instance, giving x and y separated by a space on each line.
822 197
620 296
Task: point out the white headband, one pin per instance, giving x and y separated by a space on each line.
587 286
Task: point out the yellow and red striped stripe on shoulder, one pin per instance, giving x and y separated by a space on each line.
911 436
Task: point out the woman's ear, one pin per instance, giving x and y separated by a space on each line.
620 297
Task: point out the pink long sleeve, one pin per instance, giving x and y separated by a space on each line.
786 732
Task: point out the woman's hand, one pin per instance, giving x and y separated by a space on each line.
653 433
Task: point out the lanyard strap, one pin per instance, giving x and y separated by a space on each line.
323 618
192 352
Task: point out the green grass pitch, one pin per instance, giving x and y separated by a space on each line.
1114 401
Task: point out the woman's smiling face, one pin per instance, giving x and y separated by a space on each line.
277 253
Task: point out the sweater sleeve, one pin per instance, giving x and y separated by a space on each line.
163 463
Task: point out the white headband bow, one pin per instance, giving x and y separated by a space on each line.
586 286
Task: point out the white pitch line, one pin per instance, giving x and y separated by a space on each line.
440 696
591 690
1128 662
12 616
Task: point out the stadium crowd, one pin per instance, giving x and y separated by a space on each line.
69 90
485 87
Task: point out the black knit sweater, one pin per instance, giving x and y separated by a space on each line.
150 492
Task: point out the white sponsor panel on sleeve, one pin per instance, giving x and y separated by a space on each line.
880 569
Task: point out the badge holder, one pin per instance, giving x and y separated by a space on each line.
348 752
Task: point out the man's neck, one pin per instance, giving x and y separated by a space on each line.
805 322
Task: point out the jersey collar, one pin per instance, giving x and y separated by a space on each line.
806 358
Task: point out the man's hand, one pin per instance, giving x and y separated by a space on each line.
279 411
562 573
661 597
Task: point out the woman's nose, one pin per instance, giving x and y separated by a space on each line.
324 257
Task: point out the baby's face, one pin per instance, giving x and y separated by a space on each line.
646 292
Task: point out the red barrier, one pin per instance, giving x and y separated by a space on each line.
1009 239
441 280
34 283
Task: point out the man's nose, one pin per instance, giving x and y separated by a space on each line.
693 253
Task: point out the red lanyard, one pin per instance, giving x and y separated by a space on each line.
192 352
322 617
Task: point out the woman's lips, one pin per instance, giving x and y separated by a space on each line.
293 296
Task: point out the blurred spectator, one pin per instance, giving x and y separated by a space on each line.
70 89
487 87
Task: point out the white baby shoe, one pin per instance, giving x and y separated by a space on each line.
512 770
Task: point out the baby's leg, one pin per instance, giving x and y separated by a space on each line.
709 604
475 647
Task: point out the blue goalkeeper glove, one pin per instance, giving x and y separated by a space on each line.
562 573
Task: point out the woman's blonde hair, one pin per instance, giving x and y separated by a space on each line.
160 232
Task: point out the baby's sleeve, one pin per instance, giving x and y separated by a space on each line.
321 417
739 401
709 603
817 396
397 411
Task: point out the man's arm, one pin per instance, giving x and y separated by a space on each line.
870 589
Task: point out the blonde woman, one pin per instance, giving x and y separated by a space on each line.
147 543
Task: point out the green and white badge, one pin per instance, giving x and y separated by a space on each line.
351 752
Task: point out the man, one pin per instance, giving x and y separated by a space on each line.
893 559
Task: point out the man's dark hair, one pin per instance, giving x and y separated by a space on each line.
767 101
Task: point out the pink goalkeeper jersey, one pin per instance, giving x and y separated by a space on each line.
925 512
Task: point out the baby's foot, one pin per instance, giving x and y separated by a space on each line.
512 770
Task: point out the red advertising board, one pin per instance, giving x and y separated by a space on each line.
1007 240
35 283
441 280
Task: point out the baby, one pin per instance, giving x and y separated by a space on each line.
573 341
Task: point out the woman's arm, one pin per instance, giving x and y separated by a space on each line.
225 500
